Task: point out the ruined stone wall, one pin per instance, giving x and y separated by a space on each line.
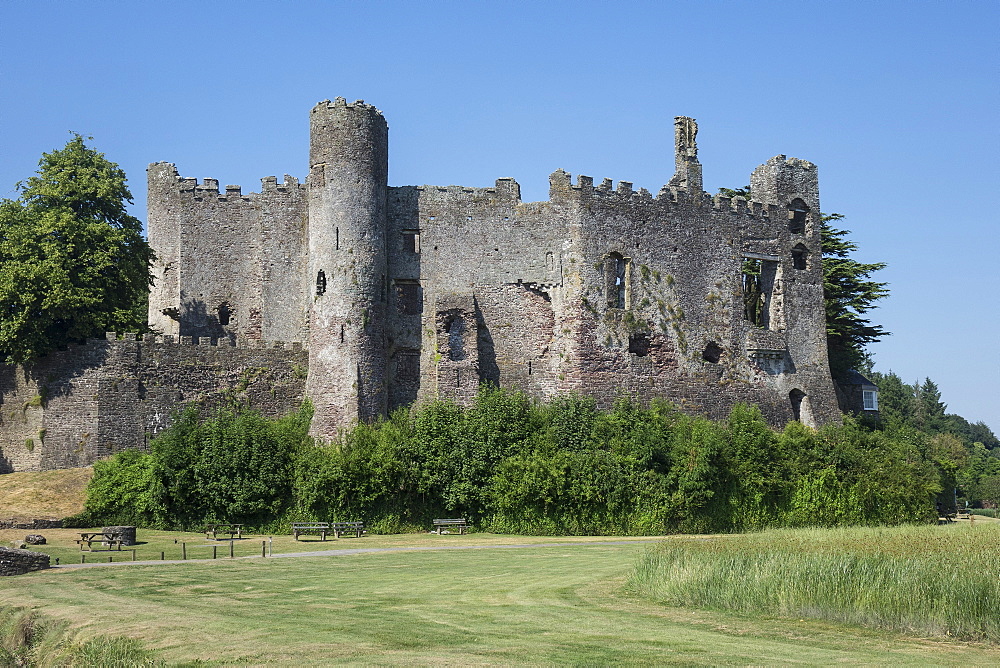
95 399
228 265
611 292
475 285
404 294
19 562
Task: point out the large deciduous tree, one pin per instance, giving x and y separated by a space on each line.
73 262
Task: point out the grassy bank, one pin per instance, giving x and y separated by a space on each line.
494 606
43 494
928 580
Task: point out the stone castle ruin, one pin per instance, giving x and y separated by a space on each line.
366 297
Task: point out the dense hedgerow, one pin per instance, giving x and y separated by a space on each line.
515 466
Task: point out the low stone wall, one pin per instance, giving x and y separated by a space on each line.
18 562
31 524
126 534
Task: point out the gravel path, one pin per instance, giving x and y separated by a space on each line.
357 550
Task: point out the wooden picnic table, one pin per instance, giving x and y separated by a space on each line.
299 528
459 523
109 538
341 528
234 530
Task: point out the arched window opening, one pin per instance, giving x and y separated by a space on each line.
224 314
797 212
320 283
799 255
616 280
795 397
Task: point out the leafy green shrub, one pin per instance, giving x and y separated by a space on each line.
512 465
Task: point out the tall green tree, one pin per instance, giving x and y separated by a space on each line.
849 293
930 408
897 403
73 262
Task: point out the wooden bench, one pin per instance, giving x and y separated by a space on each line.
309 527
340 528
110 539
458 523
233 530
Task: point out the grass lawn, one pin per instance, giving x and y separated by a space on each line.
544 604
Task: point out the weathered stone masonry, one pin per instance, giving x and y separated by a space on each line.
403 294
77 405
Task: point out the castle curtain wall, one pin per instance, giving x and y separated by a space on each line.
413 293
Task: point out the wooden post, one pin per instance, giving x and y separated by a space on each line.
110 558
133 554
231 543
163 556
263 548
83 557
215 549
184 551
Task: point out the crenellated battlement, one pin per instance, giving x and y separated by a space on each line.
208 188
203 341
342 102
561 186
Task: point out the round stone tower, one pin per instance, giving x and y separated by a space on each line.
349 163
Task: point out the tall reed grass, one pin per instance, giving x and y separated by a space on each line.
29 639
928 580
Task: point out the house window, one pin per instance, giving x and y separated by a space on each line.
870 399
320 282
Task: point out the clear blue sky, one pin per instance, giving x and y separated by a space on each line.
897 102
